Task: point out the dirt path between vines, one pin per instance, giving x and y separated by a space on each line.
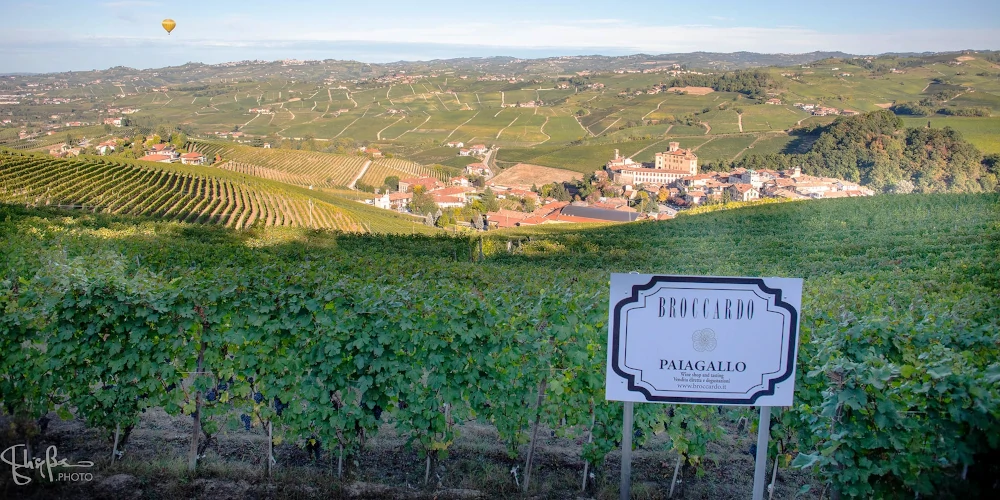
477 466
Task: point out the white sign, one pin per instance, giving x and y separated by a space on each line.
703 340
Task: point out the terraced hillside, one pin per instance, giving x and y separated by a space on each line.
320 169
163 192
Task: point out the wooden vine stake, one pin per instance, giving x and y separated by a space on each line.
590 439
270 447
774 475
114 450
196 427
677 470
534 433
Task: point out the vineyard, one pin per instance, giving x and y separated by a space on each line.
384 167
326 342
321 169
97 185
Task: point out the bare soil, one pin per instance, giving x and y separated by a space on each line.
524 175
477 466
692 90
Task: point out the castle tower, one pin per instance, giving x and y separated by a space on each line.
674 146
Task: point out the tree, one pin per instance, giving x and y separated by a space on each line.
423 203
902 187
645 203
392 182
559 192
489 199
528 204
179 140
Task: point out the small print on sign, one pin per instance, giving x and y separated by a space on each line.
703 339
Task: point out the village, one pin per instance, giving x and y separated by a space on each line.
625 191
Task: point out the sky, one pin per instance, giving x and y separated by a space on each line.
75 35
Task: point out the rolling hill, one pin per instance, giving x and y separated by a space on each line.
182 193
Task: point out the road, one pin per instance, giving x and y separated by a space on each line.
360 174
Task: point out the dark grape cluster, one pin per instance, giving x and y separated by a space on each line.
377 411
258 397
211 395
246 421
279 406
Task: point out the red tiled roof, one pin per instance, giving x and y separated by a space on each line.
156 157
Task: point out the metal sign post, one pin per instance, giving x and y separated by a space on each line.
626 480
760 465
705 340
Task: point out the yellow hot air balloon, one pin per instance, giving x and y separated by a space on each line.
168 24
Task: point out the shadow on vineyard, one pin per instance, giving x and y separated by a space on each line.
431 364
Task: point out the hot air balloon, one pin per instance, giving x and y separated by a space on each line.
168 24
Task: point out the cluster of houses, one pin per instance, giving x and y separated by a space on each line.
499 78
474 150
64 150
166 153
820 110
749 185
529 104
674 175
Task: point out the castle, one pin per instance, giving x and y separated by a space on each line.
668 166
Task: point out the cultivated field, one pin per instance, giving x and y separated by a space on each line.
524 174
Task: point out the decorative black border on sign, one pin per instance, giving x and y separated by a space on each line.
769 391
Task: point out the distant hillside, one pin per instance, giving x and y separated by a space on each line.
318 70
306 168
180 193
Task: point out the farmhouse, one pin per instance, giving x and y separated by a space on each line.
456 144
193 158
160 158
478 149
429 183
479 169
743 192
106 146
